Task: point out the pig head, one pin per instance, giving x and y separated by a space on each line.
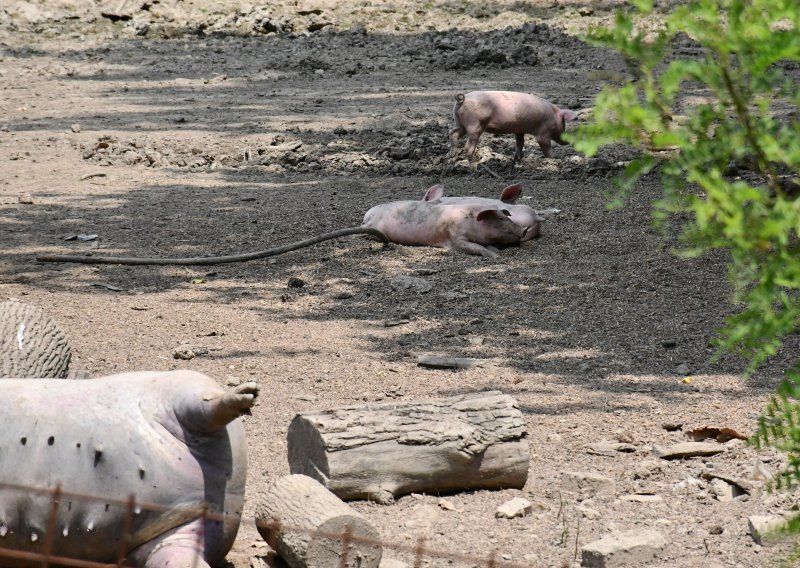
468 227
522 215
171 439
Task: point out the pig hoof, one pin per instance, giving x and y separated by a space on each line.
240 399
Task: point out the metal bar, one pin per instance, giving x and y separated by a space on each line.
127 526
51 526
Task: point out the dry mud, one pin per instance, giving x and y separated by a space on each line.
188 128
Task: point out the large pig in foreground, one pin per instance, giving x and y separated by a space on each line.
507 112
522 215
168 438
470 228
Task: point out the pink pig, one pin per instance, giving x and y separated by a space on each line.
468 227
522 215
507 112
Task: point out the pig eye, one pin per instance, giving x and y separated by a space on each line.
506 212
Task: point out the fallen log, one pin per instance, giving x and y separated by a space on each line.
380 451
308 526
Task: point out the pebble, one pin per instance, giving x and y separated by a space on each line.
587 484
516 507
636 547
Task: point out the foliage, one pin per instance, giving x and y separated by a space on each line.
747 114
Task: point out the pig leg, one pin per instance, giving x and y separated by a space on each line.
520 138
215 410
544 144
455 135
474 248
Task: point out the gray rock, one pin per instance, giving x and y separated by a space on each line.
688 450
610 449
419 285
516 507
586 484
630 547
763 528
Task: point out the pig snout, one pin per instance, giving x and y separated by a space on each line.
507 112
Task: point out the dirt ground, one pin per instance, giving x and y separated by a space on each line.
183 128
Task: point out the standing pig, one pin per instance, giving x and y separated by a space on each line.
507 112
172 439
522 215
471 228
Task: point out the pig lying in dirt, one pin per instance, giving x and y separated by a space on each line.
522 215
469 227
507 112
168 438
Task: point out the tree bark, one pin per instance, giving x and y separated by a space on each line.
295 515
379 451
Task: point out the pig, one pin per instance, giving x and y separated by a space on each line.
472 228
507 112
172 439
522 215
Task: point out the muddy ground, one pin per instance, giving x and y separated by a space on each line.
188 128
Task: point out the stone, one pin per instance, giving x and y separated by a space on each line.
587 484
392 563
687 450
647 468
419 285
588 512
761 472
722 490
629 547
642 498
610 449
516 507
763 528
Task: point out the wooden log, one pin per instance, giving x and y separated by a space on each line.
297 513
379 451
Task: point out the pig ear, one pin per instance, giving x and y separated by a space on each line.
568 114
434 193
511 193
488 214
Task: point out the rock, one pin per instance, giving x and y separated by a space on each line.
295 282
763 527
419 285
587 484
630 547
735 487
25 199
184 353
606 448
723 491
642 498
647 468
588 512
683 369
687 450
392 563
761 472
516 507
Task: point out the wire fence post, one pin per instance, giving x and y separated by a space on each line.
347 538
55 496
127 527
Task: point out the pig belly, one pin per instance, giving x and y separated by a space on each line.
102 439
409 223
